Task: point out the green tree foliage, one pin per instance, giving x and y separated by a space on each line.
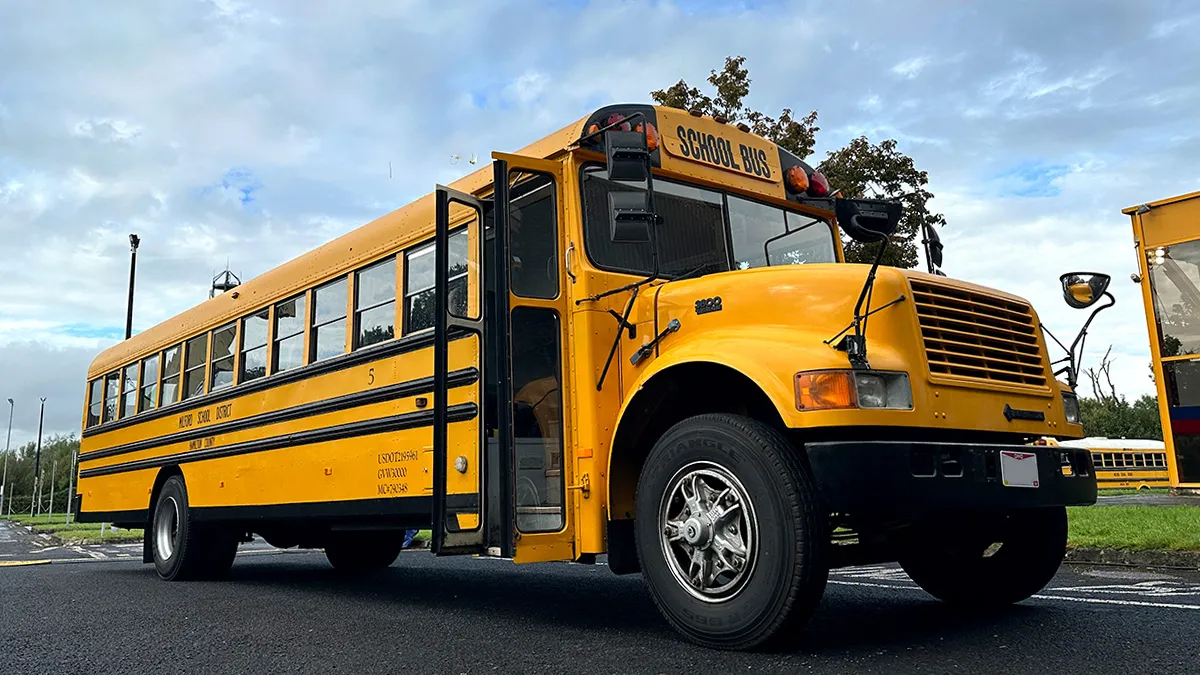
861 169
55 472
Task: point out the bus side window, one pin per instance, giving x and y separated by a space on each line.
172 359
112 389
221 365
289 334
329 320
149 397
195 358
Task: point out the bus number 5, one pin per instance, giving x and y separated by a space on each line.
371 376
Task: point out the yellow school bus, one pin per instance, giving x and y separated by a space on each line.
1167 237
1126 463
634 337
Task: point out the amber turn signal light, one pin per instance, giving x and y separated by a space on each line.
797 179
825 390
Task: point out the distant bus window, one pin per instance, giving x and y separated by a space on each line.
254 346
193 368
129 391
112 389
170 376
95 402
329 320
149 398
221 371
375 304
289 334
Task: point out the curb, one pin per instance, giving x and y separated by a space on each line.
1189 560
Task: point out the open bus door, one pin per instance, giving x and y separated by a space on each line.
501 475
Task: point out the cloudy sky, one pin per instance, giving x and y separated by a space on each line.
248 133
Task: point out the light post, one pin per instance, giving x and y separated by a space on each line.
7 443
37 462
133 246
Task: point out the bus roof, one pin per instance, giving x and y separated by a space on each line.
1162 202
1102 443
696 146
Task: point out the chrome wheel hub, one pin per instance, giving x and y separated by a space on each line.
709 531
166 528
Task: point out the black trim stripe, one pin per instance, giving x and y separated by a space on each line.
424 385
422 418
409 343
134 516
414 509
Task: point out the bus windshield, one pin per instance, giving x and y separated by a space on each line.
702 229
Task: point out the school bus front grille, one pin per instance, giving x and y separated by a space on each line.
978 337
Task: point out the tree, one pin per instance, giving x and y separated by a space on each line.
861 169
1109 414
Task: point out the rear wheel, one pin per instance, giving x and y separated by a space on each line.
182 548
989 563
730 532
363 551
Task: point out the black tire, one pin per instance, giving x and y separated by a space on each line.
182 548
783 577
958 562
358 552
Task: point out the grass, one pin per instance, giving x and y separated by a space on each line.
75 533
1134 528
1108 492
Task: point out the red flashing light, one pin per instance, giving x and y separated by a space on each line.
614 119
818 185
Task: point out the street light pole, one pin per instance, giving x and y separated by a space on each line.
133 247
37 462
7 443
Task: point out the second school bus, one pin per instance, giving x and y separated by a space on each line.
558 357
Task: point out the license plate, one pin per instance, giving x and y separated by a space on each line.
1018 469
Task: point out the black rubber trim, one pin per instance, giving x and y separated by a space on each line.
463 503
421 418
404 345
387 507
416 387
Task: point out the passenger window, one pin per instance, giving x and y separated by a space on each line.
375 304
289 334
195 357
537 419
329 320
419 283
221 372
129 391
112 389
170 376
254 346
533 239
149 398
95 402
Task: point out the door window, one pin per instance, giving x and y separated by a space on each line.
537 419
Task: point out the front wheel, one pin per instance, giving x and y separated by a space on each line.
985 563
730 532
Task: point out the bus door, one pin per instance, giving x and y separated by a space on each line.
529 317
458 377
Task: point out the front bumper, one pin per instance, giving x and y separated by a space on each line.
900 477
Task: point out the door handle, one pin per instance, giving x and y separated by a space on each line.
568 259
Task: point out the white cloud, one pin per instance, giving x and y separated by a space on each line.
910 68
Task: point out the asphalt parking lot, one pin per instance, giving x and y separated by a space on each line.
288 612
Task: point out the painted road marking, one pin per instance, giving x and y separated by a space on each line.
22 563
1098 601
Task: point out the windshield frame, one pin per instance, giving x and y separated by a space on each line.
725 192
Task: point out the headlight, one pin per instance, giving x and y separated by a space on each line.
834 389
1071 407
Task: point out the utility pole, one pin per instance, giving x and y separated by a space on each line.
71 489
37 462
7 443
133 246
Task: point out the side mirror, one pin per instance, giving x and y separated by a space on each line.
1083 289
628 157
933 244
630 217
867 220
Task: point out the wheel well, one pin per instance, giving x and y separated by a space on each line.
163 474
669 397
